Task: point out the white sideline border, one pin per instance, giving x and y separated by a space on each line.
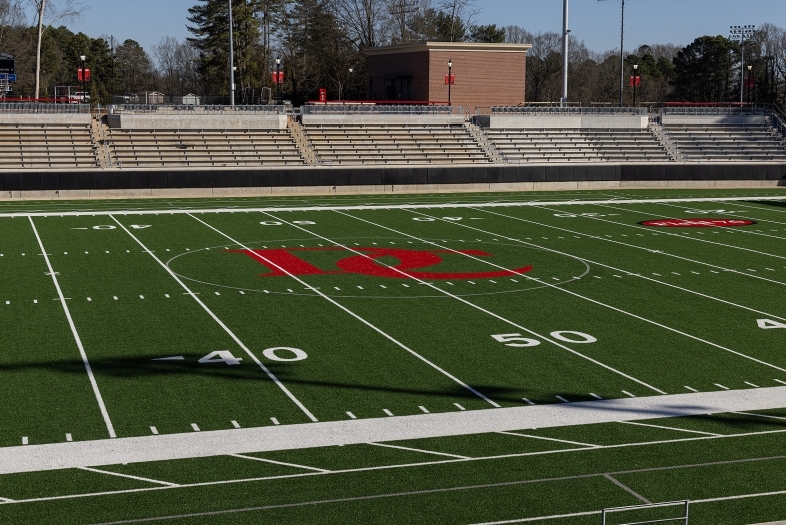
274 209
78 454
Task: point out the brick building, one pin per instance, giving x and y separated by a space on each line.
485 74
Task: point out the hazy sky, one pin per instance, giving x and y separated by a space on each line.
597 23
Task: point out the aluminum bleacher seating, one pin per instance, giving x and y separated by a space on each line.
578 145
729 142
47 146
202 148
356 144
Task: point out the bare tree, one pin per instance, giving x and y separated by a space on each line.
460 12
363 19
11 15
52 10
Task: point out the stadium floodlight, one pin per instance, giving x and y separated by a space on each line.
741 34
622 52
565 42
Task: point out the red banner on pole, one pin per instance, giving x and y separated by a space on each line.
635 81
278 77
750 83
83 77
450 79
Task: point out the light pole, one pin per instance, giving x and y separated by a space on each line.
351 70
740 34
635 82
231 59
450 78
278 79
565 42
83 58
750 68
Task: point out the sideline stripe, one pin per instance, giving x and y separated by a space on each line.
740 354
102 407
264 460
410 449
627 489
34 458
383 207
231 334
348 311
461 299
671 428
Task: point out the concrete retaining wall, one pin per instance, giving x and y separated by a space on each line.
197 120
383 119
325 180
700 120
83 119
511 121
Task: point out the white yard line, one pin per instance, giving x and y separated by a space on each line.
671 428
264 460
99 399
627 272
564 290
549 439
229 332
351 313
462 300
34 458
422 451
168 211
663 232
129 476
650 250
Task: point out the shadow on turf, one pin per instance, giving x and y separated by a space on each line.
777 204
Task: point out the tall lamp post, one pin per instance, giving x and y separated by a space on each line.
278 79
231 59
635 82
740 34
750 68
83 58
450 78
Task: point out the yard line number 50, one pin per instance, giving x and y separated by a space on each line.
519 341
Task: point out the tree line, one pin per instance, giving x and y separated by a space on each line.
322 43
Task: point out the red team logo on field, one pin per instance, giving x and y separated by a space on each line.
698 223
283 261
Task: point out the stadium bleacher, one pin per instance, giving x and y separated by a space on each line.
47 146
354 144
202 148
578 145
729 142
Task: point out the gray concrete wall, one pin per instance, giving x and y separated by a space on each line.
196 120
383 119
511 121
709 119
46 118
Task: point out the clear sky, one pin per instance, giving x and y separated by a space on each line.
597 23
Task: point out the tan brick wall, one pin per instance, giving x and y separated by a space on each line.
482 79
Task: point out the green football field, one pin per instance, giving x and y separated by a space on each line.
365 358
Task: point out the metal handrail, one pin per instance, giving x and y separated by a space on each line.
569 110
35 107
378 109
754 109
190 109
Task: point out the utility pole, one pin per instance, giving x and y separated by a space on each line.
565 44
